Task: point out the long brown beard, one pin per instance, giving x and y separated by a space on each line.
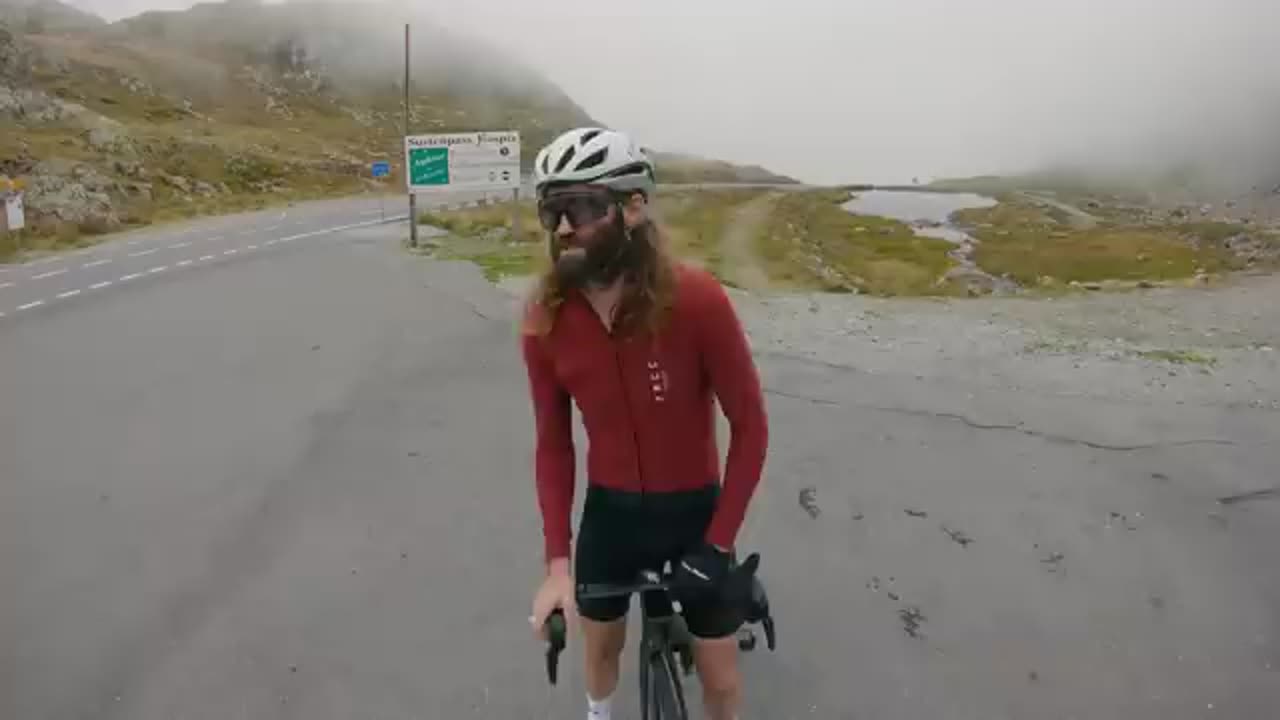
602 263
647 298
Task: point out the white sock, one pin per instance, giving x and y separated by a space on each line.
599 709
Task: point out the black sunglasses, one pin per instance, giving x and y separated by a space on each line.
581 208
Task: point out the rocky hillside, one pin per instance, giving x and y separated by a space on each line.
238 104
41 16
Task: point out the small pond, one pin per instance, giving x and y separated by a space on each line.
916 207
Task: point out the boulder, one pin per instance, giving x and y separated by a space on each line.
177 182
109 136
975 281
135 86
141 190
131 169
32 106
16 57
82 197
275 107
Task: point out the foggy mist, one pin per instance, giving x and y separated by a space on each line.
854 90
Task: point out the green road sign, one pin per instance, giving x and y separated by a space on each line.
429 166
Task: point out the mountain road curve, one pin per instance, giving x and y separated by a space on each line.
289 475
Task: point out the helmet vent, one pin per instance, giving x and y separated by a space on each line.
594 159
589 136
564 159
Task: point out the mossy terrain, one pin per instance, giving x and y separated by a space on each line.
1035 246
810 242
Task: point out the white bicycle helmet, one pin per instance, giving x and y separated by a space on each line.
597 156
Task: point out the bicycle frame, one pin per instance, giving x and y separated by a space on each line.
663 635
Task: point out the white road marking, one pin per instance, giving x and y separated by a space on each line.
215 238
132 242
268 244
271 228
248 232
5 285
175 246
340 228
162 268
250 247
184 263
51 273
96 263
141 253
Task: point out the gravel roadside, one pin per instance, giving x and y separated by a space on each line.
1213 347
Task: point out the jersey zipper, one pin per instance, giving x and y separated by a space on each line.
631 418
614 342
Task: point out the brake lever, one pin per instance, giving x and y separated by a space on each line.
770 638
555 642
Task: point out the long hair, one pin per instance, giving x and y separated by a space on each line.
648 288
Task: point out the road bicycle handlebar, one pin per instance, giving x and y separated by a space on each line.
757 609
646 581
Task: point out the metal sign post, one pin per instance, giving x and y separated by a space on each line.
515 215
379 170
413 199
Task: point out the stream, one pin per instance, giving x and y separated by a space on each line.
929 215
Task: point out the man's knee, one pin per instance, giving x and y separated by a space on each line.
604 641
717 662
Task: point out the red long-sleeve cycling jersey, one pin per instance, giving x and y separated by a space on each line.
646 404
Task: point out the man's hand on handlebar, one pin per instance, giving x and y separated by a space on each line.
555 593
702 571
547 618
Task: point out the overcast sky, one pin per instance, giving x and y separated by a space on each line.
839 90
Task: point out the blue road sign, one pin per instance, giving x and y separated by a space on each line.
381 169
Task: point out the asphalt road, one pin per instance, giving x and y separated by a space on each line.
294 481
